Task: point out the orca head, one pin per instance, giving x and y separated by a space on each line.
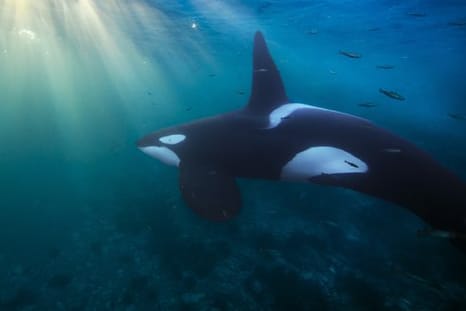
267 94
163 145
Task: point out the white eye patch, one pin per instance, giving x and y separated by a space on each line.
172 139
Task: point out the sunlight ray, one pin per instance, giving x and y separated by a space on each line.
80 57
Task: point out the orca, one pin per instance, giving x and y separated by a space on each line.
274 138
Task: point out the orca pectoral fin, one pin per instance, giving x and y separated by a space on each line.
212 194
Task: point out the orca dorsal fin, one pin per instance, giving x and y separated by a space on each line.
267 92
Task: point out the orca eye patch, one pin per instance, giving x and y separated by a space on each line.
172 139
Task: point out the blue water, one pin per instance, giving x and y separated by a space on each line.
87 222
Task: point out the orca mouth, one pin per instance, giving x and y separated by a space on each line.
146 141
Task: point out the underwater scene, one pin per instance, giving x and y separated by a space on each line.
232 155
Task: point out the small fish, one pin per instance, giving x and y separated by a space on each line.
285 118
212 75
261 70
350 54
312 32
332 72
240 92
392 94
392 150
430 232
188 108
330 223
416 14
408 41
385 66
351 164
149 93
457 116
457 23
374 29
367 105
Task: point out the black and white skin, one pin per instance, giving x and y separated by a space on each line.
276 139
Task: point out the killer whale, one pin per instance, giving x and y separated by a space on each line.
273 138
